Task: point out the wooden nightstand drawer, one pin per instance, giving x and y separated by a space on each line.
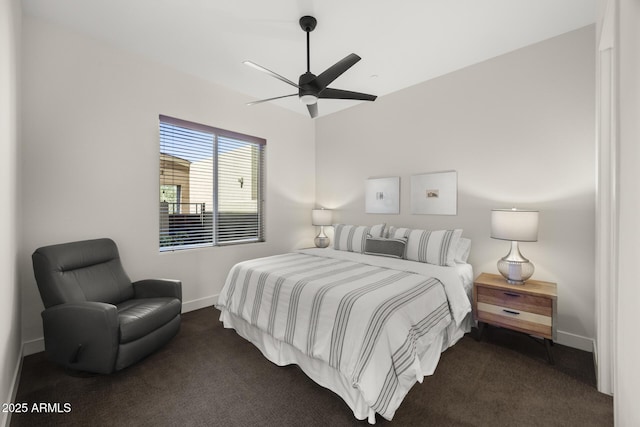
515 300
523 321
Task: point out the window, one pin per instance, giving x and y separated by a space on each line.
211 186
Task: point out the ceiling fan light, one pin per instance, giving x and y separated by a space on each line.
309 99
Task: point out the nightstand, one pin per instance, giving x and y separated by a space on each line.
529 308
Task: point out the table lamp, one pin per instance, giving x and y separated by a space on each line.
515 225
321 217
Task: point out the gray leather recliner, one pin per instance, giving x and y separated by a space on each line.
95 318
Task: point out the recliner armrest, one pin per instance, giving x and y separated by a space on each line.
82 335
153 288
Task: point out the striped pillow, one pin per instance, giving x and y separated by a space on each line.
433 247
397 233
352 238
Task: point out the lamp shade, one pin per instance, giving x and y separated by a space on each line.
321 217
515 225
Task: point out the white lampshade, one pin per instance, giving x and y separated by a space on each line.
515 225
321 216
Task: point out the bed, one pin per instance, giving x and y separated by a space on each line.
366 327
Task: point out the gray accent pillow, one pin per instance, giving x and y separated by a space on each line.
393 248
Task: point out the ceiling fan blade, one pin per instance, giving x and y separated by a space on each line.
271 99
313 110
330 74
329 93
271 73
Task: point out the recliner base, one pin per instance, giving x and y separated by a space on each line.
134 351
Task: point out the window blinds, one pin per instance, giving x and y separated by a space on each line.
211 186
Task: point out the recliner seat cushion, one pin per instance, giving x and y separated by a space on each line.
139 317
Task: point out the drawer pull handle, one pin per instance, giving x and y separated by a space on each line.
510 311
509 294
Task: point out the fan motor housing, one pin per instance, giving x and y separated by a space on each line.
306 84
308 23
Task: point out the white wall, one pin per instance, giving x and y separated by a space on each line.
90 161
10 339
518 129
627 353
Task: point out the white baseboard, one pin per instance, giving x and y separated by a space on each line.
199 303
37 345
575 341
5 418
32 347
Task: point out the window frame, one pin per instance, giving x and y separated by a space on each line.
260 188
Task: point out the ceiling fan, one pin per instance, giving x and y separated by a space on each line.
312 87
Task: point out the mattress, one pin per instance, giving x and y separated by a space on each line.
366 327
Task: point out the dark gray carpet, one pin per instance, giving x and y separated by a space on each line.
210 376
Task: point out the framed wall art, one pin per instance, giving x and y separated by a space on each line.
382 195
435 193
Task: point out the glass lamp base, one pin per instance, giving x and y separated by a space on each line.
515 272
514 267
321 241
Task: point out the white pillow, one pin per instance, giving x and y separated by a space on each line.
463 249
352 238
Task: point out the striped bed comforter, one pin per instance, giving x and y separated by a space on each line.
369 322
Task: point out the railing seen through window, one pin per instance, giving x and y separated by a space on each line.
211 186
